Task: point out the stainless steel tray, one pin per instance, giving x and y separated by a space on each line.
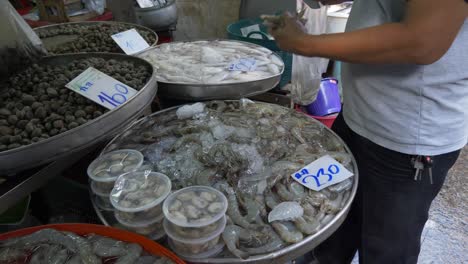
49 27
92 132
281 256
203 92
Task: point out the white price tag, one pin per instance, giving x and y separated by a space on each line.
130 41
101 88
245 65
322 173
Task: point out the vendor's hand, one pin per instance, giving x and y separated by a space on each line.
288 32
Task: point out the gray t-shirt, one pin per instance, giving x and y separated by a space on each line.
412 109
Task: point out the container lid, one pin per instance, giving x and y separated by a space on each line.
109 166
139 190
195 206
141 224
204 255
196 241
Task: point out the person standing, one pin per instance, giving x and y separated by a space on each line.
405 116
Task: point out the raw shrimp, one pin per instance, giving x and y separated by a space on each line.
288 236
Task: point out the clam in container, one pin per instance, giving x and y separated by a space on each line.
137 196
195 207
196 248
104 170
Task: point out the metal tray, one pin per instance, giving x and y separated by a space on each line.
284 255
204 92
49 27
86 135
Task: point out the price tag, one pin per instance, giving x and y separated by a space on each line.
322 173
101 88
245 65
130 41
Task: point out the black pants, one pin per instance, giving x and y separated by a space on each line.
390 209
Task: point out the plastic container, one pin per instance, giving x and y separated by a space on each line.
142 217
194 232
108 167
139 195
150 229
328 99
196 246
102 188
103 202
86 229
195 206
213 252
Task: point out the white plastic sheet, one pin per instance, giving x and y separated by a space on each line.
19 43
307 72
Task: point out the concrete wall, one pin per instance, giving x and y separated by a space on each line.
205 18
197 18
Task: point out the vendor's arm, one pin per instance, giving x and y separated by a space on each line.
423 37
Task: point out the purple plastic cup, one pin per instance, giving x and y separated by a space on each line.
328 99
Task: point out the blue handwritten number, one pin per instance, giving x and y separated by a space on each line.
332 170
117 98
121 88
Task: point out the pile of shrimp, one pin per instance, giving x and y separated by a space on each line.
248 151
53 246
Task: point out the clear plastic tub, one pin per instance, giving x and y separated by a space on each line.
195 206
196 246
213 252
195 232
103 202
139 195
152 229
138 218
109 166
102 188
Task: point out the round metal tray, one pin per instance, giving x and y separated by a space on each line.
90 133
204 92
284 255
131 25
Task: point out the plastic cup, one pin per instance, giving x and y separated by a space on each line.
214 251
195 206
194 232
109 166
196 246
102 202
138 196
102 188
153 229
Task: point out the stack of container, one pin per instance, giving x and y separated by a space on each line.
137 198
195 218
104 171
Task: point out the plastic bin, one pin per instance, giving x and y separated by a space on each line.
86 229
234 32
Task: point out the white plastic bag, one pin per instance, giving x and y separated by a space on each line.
19 43
307 72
